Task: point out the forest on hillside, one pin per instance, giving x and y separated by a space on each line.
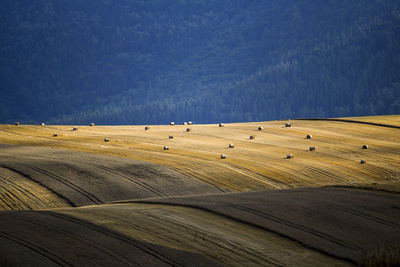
151 62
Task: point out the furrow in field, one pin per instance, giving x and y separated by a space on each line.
222 239
21 192
68 241
340 222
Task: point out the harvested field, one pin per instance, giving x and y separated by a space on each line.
222 239
129 202
33 238
38 178
255 165
387 119
344 223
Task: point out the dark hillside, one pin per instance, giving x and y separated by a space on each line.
344 223
142 62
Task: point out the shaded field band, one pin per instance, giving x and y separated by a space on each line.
350 121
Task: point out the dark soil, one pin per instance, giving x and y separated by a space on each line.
344 223
39 238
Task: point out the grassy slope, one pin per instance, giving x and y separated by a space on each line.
253 164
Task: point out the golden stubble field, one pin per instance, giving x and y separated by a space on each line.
252 164
181 206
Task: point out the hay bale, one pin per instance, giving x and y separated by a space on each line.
55 134
365 146
172 123
221 125
289 156
75 129
190 123
106 140
223 156
288 124
146 128
91 124
166 148
252 137
188 129
362 161
260 128
231 146
185 123
312 148
16 123
171 137
42 124
309 136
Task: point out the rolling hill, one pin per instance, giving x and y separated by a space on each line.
75 199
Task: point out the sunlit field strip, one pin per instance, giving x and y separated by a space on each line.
251 164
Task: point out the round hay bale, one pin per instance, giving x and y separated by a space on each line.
16 123
223 156
365 146
42 124
171 137
188 129
172 123
231 146
75 129
252 137
146 128
166 148
185 123
289 156
309 136
362 161
260 128
55 134
190 123
312 148
91 124
288 124
106 140
221 125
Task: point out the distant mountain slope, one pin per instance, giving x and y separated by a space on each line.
151 62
